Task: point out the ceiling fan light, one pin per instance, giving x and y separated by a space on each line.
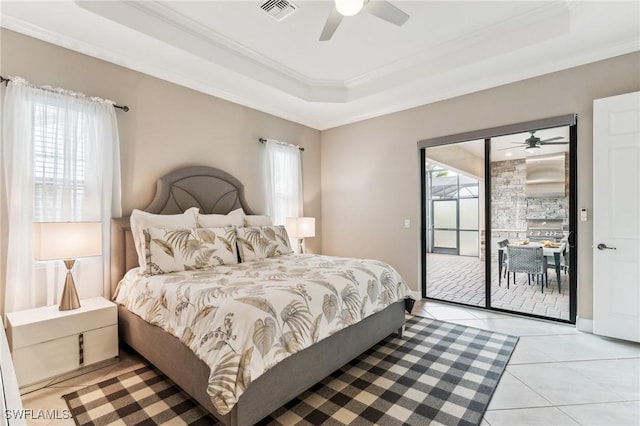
532 149
349 7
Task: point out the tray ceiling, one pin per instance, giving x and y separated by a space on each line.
236 51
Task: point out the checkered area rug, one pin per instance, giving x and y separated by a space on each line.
437 373
140 397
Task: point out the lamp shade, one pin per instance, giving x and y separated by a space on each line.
301 227
67 240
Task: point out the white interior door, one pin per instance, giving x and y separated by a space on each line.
616 216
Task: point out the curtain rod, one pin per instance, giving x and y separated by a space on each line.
7 80
263 140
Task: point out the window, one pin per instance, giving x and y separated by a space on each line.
284 181
61 164
59 153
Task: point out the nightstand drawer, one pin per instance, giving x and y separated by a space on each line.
100 344
49 359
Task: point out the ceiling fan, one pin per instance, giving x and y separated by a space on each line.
532 144
380 8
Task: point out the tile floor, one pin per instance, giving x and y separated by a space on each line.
557 376
461 279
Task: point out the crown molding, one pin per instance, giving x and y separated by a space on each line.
325 103
163 23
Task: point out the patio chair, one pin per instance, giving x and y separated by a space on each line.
564 266
528 260
505 260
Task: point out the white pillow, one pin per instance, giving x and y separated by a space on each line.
218 220
237 212
251 219
141 220
257 220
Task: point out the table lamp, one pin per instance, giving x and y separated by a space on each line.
67 241
301 228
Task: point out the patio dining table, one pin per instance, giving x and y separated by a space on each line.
551 252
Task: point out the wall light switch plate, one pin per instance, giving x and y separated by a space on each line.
407 223
583 215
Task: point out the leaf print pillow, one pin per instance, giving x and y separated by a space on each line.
140 220
258 242
173 250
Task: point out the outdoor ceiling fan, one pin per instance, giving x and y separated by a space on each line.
532 144
380 8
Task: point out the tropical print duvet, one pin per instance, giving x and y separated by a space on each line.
243 319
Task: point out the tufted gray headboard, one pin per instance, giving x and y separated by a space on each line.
212 190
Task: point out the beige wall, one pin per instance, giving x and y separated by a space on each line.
370 171
168 126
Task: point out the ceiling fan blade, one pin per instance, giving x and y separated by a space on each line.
385 10
552 139
554 143
504 149
331 25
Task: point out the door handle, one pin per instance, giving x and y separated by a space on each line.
602 246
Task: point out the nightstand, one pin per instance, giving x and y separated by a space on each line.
47 343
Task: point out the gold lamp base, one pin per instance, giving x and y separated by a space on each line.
69 298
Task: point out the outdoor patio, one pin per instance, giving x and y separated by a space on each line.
462 279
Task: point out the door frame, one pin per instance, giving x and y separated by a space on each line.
570 120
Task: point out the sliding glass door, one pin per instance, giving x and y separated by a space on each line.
518 184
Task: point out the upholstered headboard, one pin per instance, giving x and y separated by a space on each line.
212 190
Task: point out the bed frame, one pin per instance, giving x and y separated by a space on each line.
215 191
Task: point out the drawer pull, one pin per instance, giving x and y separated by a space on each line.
81 348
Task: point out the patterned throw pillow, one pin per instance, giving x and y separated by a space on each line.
258 242
141 220
172 250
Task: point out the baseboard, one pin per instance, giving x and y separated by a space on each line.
584 324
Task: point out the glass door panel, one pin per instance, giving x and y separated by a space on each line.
469 214
445 225
444 240
444 214
455 265
530 211
469 232
469 243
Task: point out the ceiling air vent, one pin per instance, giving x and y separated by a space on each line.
278 9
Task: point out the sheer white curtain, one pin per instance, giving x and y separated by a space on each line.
284 181
61 162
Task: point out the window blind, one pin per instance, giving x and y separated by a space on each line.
59 143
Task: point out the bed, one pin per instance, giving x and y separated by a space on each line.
214 191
